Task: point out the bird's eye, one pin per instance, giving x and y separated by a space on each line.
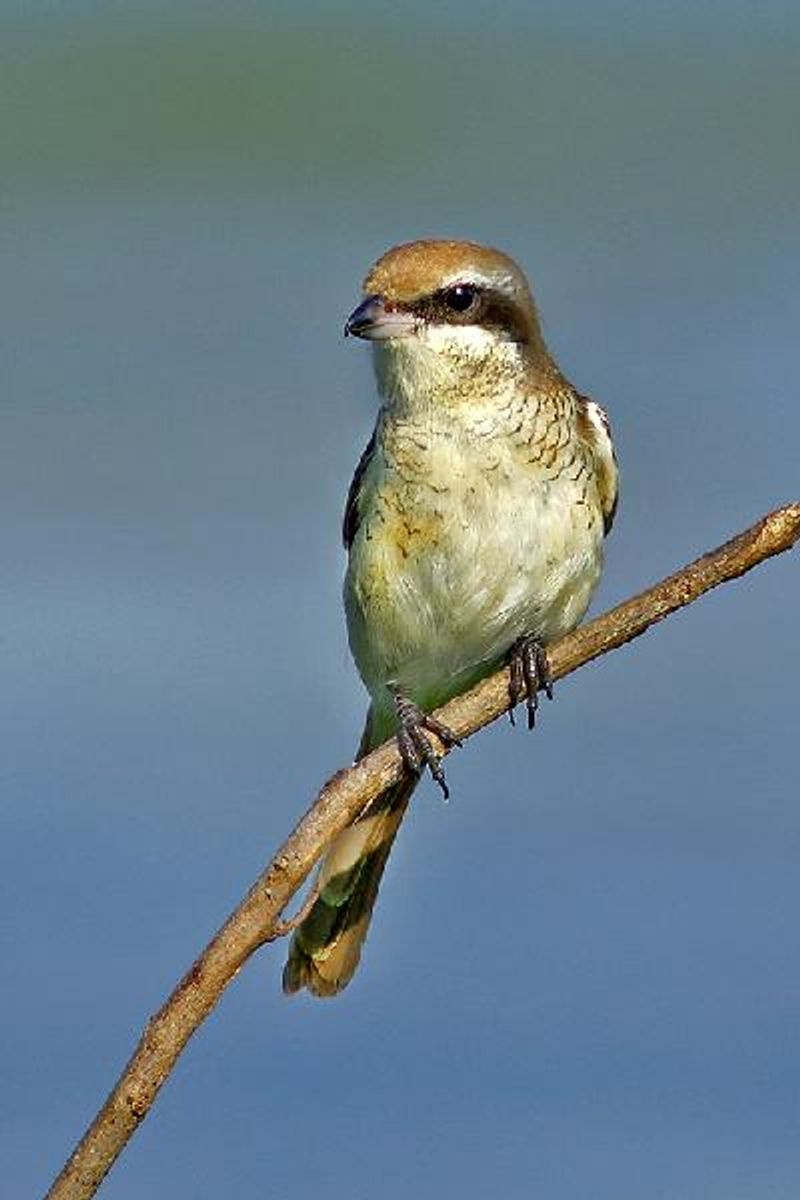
461 298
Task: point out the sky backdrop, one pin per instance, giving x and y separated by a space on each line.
582 978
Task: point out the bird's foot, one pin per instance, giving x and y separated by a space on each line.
415 747
530 672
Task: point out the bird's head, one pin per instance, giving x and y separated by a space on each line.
444 315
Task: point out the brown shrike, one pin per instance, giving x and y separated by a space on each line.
474 527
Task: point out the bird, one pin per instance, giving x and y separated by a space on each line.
474 528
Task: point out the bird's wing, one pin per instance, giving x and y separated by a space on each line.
595 430
352 516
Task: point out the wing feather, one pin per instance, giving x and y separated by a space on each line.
595 429
352 515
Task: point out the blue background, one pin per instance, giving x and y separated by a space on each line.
583 978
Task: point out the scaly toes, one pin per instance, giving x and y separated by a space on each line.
415 748
529 671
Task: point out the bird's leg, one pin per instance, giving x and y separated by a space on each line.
530 671
415 748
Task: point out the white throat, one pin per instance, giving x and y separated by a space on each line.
446 364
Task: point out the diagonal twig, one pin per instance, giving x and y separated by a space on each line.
344 796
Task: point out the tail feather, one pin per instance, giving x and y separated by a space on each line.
326 947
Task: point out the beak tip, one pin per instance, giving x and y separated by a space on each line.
362 319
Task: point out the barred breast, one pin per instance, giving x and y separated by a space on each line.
472 533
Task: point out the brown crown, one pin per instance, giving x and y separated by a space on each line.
420 268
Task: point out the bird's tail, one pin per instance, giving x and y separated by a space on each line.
326 947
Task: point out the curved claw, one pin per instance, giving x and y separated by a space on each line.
415 748
530 672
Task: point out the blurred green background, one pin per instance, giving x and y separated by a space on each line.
582 978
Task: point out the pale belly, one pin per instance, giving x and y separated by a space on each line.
441 582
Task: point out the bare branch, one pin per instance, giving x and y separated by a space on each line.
282 928
344 796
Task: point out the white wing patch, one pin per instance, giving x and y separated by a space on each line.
599 436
